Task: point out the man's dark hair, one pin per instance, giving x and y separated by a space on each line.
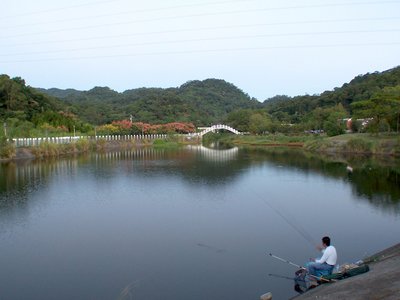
326 240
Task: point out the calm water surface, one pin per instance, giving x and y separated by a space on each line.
192 223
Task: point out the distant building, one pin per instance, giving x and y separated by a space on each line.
362 123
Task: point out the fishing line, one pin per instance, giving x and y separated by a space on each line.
294 226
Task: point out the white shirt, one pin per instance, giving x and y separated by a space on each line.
329 256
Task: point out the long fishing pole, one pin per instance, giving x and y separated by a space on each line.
287 261
284 277
298 266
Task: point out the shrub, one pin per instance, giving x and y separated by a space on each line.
7 149
46 149
358 145
333 128
101 144
83 145
317 145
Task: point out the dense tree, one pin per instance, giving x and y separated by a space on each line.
202 102
26 111
334 123
253 121
383 107
260 123
29 111
361 88
239 119
329 119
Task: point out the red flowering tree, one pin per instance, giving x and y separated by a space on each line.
142 128
127 127
124 126
179 127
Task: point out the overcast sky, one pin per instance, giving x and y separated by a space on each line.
264 47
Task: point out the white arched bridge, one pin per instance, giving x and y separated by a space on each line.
205 130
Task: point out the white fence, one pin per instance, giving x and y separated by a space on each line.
26 142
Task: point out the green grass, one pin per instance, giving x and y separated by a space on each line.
161 143
358 143
370 143
273 139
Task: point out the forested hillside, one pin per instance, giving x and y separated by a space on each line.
36 112
24 111
23 102
362 87
374 97
200 102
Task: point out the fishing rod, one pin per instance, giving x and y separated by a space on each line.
284 277
287 261
298 266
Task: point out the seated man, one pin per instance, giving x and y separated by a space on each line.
326 263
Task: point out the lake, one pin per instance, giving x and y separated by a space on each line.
188 223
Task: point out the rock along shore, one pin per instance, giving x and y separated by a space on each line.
381 282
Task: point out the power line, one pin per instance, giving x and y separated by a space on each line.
371 44
202 40
128 12
199 15
204 29
57 9
201 4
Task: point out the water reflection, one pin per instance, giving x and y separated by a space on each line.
184 223
215 155
376 181
379 186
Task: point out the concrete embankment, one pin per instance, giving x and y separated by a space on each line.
381 282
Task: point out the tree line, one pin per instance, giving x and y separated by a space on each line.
373 96
30 112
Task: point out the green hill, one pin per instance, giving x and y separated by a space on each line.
362 87
21 101
200 102
26 112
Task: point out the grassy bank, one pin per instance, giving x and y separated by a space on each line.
358 143
53 150
260 140
7 150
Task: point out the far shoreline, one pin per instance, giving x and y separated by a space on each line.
50 150
350 143
346 144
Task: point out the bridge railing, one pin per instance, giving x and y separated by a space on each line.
26 142
217 127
